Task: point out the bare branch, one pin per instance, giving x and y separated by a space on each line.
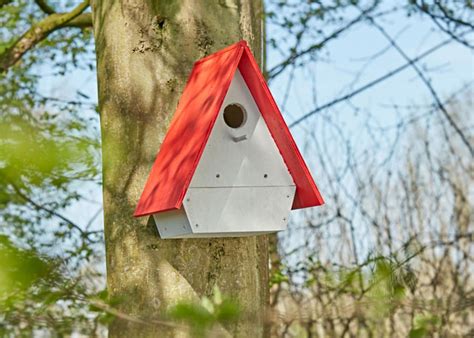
446 18
85 235
41 31
445 15
122 315
276 70
428 84
370 84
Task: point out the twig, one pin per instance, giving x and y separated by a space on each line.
428 84
107 308
41 31
84 234
370 84
276 70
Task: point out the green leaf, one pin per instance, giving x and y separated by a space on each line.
417 333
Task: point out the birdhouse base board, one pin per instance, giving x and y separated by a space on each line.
221 235
228 212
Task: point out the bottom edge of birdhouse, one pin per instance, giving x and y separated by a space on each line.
174 225
219 235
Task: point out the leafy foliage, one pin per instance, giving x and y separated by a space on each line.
48 147
51 281
36 293
205 315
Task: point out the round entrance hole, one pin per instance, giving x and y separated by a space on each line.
234 115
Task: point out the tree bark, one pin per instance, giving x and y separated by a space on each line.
145 52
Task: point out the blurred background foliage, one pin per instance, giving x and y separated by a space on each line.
49 148
207 317
389 255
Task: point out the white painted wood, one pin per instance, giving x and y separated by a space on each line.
228 212
236 210
172 224
242 157
241 185
223 234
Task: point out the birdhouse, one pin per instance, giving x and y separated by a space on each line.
228 165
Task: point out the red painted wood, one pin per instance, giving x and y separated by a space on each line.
194 119
188 133
307 194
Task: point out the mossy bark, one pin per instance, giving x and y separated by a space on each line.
145 52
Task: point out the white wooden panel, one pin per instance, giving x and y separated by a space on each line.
262 165
223 156
223 234
233 211
172 224
253 161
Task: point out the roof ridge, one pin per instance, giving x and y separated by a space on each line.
241 43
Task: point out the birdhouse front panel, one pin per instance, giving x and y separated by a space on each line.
243 154
241 211
240 165
228 165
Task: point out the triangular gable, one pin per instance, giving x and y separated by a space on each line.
194 119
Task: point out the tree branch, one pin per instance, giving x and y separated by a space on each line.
276 70
45 7
4 2
428 85
370 84
41 31
445 15
446 19
82 21
49 211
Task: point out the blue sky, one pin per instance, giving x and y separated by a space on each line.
449 69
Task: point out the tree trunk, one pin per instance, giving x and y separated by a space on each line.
145 52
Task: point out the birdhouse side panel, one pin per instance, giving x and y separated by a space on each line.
172 224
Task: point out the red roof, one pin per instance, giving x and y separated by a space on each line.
194 119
